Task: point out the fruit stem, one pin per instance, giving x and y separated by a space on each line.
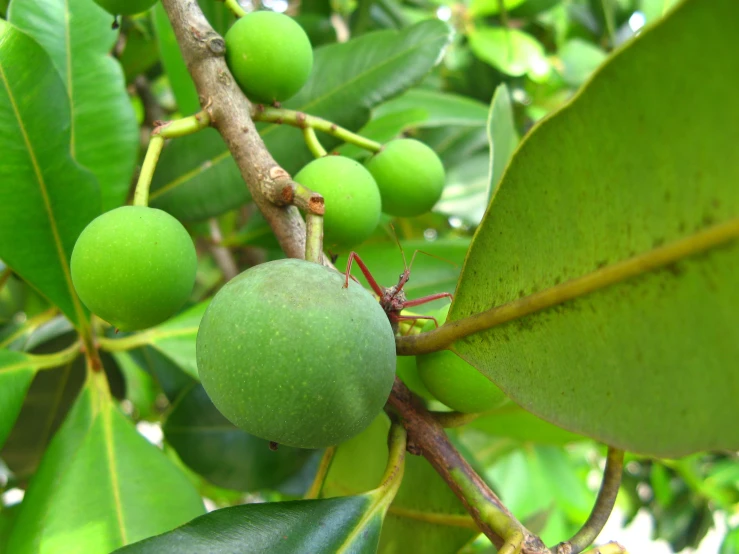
449 420
603 506
609 548
29 326
169 129
141 196
320 478
314 238
314 145
234 6
303 121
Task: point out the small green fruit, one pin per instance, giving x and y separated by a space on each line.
351 198
134 266
125 7
288 354
454 382
410 177
269 55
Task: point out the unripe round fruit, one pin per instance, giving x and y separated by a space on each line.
125 7
269 55
351 197
454 382
134 266
410 177
288 354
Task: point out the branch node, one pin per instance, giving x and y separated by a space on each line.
287 194
217 45
316 204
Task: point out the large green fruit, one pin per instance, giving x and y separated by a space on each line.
351 198
410 177
134 266
269 55
125 7
289 355
454 382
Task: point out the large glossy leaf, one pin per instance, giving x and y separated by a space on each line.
100 485
338 525
78 37
647 364
511 421
425 516
221 452
46 199
16 374
349 79
511 51
502 135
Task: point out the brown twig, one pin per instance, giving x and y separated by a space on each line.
203 50
427 437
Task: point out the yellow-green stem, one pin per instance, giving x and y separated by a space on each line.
302 120
48 361
234 6
320 478
314 145
141 196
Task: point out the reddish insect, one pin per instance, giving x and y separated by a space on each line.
393 299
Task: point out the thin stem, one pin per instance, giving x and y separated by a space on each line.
4 276
183 127
444 336
603 506
314 145
234 6
610 23
397 443
448 520
49 361
126 343
141 196
302 120
320 478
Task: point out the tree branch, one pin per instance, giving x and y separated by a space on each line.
271 187
427 437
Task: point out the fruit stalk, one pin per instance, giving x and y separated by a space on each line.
603 506
141 196
303 121
427 437
234 6
323 467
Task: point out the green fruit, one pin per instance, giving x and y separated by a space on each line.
351 198
134 266
269 55
454 382
410 177
408 373
289 355
125 7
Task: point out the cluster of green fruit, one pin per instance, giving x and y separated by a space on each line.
271 59
288 350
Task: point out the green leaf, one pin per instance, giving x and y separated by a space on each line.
341 525
511 51
16 374
197 178
502 135
42 190
429 274
176 338
222 453
645 364
579 60
100 485
730 545
349 79
141 389
77 36
513 422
